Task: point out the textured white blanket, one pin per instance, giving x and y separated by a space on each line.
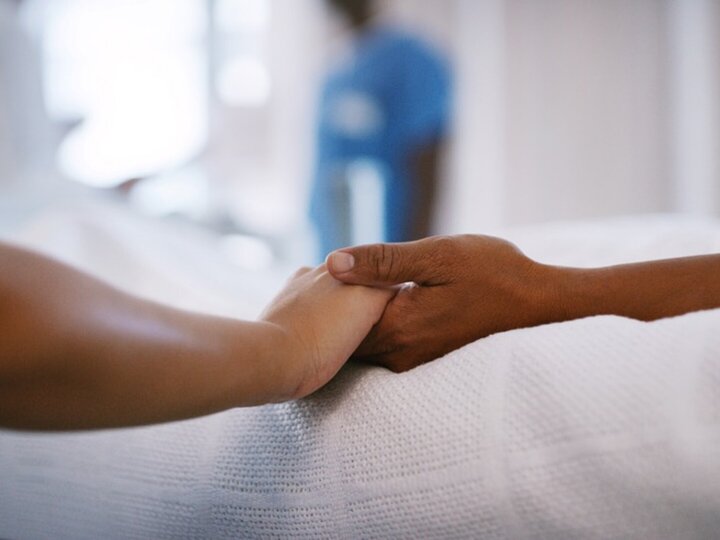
598 428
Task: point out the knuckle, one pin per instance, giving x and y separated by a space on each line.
397 367
399 363
452 252
382 261
301 271
445 247
391 361
444 242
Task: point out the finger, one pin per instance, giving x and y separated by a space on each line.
395 361
380 338
402 359
391 361
388 334
403 339
299 272
374 343
387 264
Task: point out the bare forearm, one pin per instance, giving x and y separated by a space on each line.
425 164
78 354
644 291
138 379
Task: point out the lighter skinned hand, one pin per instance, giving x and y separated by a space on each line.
322 321
463 288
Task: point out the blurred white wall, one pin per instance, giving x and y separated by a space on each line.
694 43
570 109
585 113
578 109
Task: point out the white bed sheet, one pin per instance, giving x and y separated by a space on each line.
598 428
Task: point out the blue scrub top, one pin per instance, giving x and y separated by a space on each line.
391 97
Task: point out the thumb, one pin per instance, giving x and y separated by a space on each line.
387 264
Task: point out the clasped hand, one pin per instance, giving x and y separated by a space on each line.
456 290
418 301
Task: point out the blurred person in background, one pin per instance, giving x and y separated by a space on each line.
387 103
28 138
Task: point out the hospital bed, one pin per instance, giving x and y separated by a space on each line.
597 428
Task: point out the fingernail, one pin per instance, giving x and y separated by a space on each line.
341 262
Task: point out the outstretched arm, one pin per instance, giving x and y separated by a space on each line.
76 353
425 163
467 287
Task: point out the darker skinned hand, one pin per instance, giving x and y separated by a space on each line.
456 290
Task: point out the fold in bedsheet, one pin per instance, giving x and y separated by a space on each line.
602 427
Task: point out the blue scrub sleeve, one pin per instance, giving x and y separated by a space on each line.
427 96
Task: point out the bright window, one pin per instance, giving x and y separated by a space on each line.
242 79
135 73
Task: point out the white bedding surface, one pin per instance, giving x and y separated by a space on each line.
598 428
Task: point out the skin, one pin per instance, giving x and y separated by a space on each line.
425 163
467 287
358 13
76 353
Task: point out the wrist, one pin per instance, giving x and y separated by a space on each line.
571 293
247 363
271 378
